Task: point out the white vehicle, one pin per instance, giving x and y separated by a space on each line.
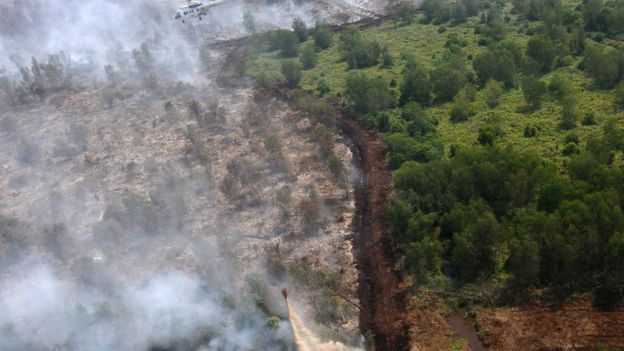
195 9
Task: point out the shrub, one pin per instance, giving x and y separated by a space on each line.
336 166
325 139
570 149
572 138
283 200
589 119
310 211
530 132
291 69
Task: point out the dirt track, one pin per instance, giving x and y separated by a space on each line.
381 296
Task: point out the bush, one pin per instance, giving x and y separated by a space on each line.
530 132
322 36
283 200
291 69
336 166
310 211
325 139
572 138
570 149
589 119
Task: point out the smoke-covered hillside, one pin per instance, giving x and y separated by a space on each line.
147 205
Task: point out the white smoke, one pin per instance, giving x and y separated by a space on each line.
40 311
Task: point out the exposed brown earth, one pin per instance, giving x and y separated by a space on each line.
575 326
381 295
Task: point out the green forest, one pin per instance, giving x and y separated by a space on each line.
503 125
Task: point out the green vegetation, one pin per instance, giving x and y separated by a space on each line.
503 121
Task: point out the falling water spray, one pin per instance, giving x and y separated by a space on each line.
304 338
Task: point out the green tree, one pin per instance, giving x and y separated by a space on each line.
288 43
418 122
307 56
416 85
619 96
474 248
533 90
543 51
569 112
463 108
387 60
524 261
500 63
405 14
299 27
322 36
356 51
446 82
249 22
367 94
492 92
604 65
291 69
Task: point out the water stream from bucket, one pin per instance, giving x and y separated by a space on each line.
305 340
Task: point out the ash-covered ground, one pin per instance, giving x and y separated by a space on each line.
147 205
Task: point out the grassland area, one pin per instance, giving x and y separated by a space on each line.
427 43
